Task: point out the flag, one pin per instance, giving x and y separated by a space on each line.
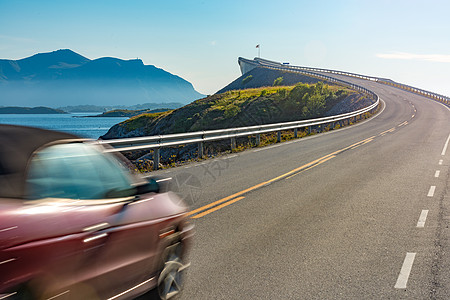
257 46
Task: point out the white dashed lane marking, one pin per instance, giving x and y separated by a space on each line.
445 146
422 219
405 271
431 191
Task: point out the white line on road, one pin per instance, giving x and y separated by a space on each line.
4 296
437 173
267 148
431 191
405 271
441 161
422 219
446 145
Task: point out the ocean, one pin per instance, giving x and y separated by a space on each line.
76 123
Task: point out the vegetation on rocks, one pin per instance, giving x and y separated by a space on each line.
130 113
237 108
278 81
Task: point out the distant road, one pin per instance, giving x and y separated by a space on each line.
357 213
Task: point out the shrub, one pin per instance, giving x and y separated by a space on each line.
231 111
278 81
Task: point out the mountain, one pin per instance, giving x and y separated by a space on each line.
63 78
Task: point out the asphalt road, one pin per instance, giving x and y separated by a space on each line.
357 213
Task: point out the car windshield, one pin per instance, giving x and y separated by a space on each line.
76 171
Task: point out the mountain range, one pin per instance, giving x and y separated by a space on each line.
63 78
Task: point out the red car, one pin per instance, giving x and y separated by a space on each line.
77 223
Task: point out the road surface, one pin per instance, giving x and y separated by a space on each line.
357 213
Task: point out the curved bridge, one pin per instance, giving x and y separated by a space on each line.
247 65
356 213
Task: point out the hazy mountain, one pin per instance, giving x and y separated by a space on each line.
63 78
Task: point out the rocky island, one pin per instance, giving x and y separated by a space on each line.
30 110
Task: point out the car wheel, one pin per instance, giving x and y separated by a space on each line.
170 280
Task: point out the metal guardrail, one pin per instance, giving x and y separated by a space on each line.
434 96
168 140
437 97
200 137
287 66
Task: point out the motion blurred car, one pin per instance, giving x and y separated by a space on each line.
77 223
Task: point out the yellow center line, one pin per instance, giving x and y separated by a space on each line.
206 212
207 209
258 185
301 172
355 144
365 142
226 198
321 162
389 130
300 168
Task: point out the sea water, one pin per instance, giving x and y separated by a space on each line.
81 124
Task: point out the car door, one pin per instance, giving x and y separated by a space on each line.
117 235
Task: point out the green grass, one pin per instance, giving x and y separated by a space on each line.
237 108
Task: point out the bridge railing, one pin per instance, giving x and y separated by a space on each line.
265 62
434 96
437 97
159 141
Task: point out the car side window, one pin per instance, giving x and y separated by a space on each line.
76 171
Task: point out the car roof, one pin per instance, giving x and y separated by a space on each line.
17 146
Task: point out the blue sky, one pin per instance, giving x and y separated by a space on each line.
407 41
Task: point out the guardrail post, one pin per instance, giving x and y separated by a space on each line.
295 133
278 136
309 129
200 149
156 159
258 139
233 143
